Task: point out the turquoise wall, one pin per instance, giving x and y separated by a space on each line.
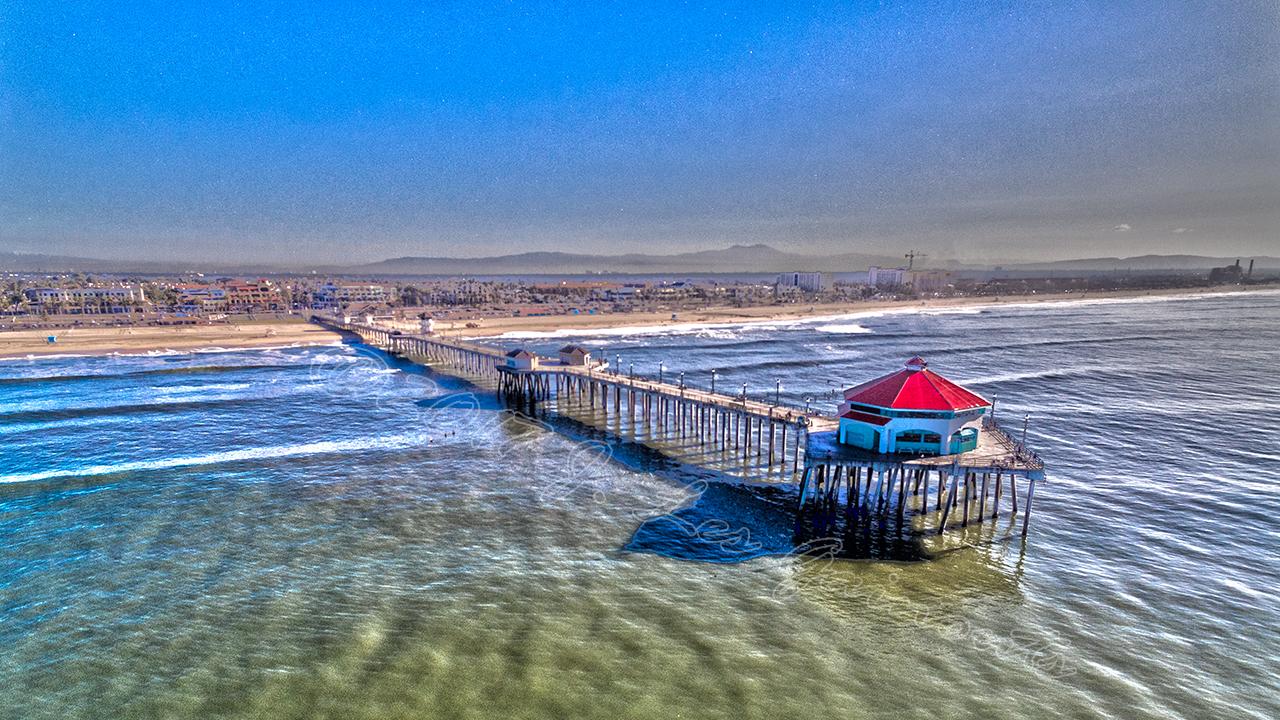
967 441
858 435
916 447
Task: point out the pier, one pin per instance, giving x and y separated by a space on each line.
843 491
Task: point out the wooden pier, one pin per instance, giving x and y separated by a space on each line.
842 490
749 439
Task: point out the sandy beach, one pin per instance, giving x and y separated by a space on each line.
105 341
516 327
251 334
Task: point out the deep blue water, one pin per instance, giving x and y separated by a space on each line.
326 531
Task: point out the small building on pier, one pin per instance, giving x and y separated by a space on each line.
521 359
914 410
575 355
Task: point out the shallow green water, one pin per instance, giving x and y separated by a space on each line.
313 532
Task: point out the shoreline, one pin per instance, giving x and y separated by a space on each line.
143 340
550 327
263 334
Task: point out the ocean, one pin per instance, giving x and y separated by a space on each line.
328 532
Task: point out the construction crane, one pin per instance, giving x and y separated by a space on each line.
911 257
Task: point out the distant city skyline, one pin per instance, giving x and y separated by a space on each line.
1023 132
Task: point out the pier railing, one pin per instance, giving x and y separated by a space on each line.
750 435
694 390
1021 454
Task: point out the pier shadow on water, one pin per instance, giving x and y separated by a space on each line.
726 520
722 518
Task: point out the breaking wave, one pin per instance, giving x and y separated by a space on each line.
327 447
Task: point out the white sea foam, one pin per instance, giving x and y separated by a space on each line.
1033 375
164 352
394 442
207 388
731 330
48 356
1049 302
290 346
844 329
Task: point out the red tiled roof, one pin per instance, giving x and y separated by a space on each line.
915 388
866 417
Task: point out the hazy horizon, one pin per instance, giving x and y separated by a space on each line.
922 261
1016 134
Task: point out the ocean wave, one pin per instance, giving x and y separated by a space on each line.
1055 302
670 329
34 413
1034 375
685 328
745 324
164 352
209 388
844 329
188 370
326 447
47 356
290 346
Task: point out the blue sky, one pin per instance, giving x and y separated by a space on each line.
270 131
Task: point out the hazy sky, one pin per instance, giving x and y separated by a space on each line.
272 131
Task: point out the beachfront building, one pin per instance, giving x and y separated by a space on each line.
522 359
86 300
331 295
201 297
885 277
575 355
804 281
260 294
914 410
928 280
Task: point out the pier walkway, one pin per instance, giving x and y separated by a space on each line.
752 440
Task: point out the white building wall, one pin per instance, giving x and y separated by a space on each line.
945 427
806 281
878 276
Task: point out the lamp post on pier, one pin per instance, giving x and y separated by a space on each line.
631 370
1026 420
713 381
682 384
617 364
661 367
777 392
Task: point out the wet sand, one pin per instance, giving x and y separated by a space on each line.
105 341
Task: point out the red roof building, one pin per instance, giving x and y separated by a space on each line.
915 387
913 410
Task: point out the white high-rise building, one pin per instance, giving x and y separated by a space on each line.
883 277
806 281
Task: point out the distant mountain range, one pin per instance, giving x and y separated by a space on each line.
1151 262
738 258
735 259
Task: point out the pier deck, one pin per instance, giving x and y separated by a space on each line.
737 435
996 450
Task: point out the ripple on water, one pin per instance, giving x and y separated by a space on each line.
271 534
